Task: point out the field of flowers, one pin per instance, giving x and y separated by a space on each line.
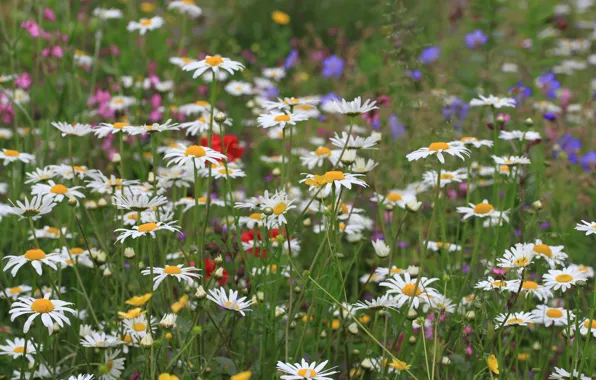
331 189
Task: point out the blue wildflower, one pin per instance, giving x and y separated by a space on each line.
475 39
333 66
455 110
430 54
548 84
292 59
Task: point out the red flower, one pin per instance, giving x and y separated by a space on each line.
210 268
229 144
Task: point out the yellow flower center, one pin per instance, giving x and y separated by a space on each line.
120 125
583 268
408 290
521 262
543 249
109 365
396 270
15 290
202 103
564 278
498 284
195 150
42 305
11 153
515 320
171 269
306 372
138 327
447 176
146 21
127 339
483 208
189 2
76 251
35 254
18 350
59 189
399 365
504 169
468 138
256 216
441 244
436 146
394 197
334 176
530 285
279 208
322 151
554 313
228 304
148 227
587 324
283 118
53 231
214 61
186 60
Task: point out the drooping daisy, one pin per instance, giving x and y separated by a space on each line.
10 155
213 63
104 129
354 142
56 191
99 340
145 24
333 179
220 171
439 148
278 119
493 101
16 348
178 271
34 256
517 257
586 270
304 370
33 209
74 129
514 319
202 125
530 288
408 289
548 316
588 227
554 255
511 160
256 219
385 301
519 135
395 197
447 177
476 143
229 301
137 202
587 326
40 175
186 7
563 279
69 172
134 130
113 364
48 310
48 232
316 158
481 210
362 165
198 155
355 107
279 204
101 184
146 229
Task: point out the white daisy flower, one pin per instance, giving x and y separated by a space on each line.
99 340
395 197
134 130
33 209
107 14
560 374
481 210
549 316
50 311
587 325
119 103
138 202
588 227
514 319
145 24
410 290
493 101
385 301
229 301
138 326
275 73
82 376
354 142
363 166
113 364
439 245
219 171
57 192
186 7
34 256
519 135
447 177
374 277
101 184
74 129
316 158
189 202
491 283
586 270
201 125
168 321
530 288
10 155
279 204
16 292
333 179
355 107
178 271
304 370
40 175
256 219
278 119
238 88
180 61
104 129
214 64
16 348
439 148
69 172
48 232
476 143
198 155
393 366
439 303
511 160
517 257
564 278
554 255
286 104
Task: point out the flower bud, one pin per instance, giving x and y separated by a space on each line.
413 270
151 177
147 340
102 203
413 206
297 289
218 260
219 273
168 321
353 328
91 205
536 346
412 314
293 325
197 330
72 202
537 205
200 294
307 222
470 315
445 360
220 117
107 272
324 334
366 364
412 339
381 249
276 172
529 122
388 207
268 211
129 253
116 158
348 157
